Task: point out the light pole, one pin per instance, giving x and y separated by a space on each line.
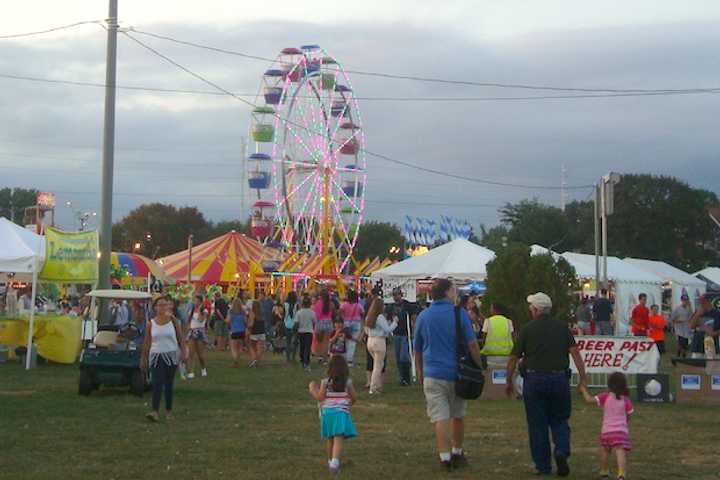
108 157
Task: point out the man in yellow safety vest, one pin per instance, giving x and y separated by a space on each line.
498 333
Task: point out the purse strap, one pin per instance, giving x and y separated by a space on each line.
458 334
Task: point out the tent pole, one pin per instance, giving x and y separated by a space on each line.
32 316
410 344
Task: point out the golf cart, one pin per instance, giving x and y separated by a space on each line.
111 355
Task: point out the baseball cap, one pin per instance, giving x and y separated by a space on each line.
539 300
684 296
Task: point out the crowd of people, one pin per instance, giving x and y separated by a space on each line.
321 329
595 316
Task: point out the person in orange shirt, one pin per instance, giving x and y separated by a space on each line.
656 328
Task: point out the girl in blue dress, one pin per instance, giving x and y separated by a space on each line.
335 395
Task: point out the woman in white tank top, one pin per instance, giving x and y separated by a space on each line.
163 350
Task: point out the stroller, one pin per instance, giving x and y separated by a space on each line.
276 340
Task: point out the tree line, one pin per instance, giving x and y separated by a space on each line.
656 217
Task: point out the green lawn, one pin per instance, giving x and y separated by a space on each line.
243 423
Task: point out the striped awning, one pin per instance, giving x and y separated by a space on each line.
138 267
220 260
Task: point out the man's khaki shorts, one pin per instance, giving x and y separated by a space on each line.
442 404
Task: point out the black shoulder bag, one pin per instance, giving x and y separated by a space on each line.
470 379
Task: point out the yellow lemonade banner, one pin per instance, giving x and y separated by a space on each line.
70 257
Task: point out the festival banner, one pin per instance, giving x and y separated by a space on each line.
70 257
629 355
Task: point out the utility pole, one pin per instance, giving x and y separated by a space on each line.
604 207
563 187
596 224
243 176
12 205
108 157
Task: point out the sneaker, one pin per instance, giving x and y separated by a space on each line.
334 470
191 375
350 364
404 383
307 368
152 416
459 460
203 372
169 416
253 364
563 469
605 477
446 466
621 477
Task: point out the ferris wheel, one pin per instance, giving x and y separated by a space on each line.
308 166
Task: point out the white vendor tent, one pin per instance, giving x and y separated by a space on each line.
460 260
536 249
710 274
22 253
629 282
679 281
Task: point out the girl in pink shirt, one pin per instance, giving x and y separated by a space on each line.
615 434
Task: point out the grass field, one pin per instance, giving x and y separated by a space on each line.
260 423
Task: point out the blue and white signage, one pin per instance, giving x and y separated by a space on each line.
499 377
690 382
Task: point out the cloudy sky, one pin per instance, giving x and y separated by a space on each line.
186 148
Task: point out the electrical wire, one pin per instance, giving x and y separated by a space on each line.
438 80
11 76
384 75
368 152
50 30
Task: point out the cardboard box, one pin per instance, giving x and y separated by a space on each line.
696 386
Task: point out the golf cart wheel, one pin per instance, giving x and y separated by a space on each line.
85 384
137 382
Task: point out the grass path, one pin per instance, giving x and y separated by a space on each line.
261 423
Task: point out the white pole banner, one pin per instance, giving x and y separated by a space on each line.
629 355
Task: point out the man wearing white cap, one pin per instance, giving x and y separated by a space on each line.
544 344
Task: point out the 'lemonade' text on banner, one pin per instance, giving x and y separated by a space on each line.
618 354
70 257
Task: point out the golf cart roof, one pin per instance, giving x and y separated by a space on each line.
120 294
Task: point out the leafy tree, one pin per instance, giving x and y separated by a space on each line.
221 228
375 240
494 238
514 274
529 221
13 202
663 218
159 229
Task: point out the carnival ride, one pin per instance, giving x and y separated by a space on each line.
308 166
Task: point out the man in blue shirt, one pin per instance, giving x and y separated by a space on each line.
266 308
436 360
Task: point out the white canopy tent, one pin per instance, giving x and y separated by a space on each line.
710 274
680 282
22 253
629 282
536 249
460 260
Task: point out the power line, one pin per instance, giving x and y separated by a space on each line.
385 75
220 195
140 88
437 80
50 30
377 155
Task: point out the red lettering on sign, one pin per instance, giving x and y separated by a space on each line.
581 344
630 346
590 345
617 363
